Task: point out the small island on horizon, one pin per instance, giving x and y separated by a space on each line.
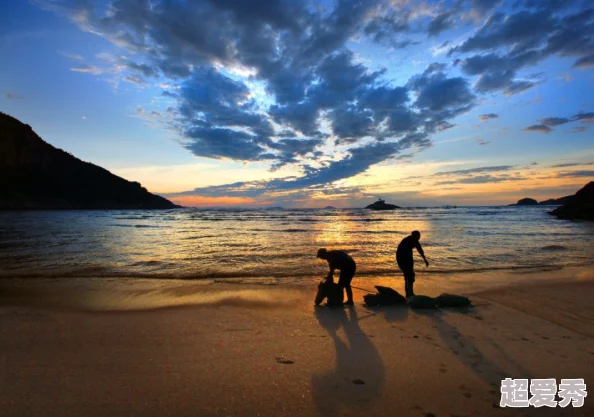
382 205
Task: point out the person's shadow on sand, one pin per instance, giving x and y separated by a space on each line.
359 374
391 313
467 351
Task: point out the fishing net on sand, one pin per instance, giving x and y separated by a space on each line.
422 302
386 296
453 300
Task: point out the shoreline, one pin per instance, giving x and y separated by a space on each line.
187 349
138 293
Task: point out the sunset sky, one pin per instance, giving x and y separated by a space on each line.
312 103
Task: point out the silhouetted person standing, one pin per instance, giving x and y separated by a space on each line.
404 258
340 260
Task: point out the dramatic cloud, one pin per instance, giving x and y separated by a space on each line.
487 117
524 39
358 161
279 81
436 92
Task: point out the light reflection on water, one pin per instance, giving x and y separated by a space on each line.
191 243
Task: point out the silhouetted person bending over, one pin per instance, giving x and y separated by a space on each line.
404 258
340 260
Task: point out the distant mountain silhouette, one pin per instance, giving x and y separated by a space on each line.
549 202
35 175
555 201
381 205
580 206
525 202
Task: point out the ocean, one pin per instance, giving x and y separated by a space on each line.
272 246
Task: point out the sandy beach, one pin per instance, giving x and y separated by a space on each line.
174 348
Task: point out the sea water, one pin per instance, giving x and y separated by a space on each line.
281 244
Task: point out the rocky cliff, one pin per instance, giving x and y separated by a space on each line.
35 175
555 201
580 206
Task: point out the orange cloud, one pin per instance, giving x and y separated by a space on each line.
199 201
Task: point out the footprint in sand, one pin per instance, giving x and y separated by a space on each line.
284 361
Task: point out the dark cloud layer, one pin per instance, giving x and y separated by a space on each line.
523 39
479 179
576 174
320 93
441 23
539 128
498 168
572 164
546 125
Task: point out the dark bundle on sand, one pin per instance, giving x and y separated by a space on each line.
445 300
422 302
452 300
386 297
332 292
